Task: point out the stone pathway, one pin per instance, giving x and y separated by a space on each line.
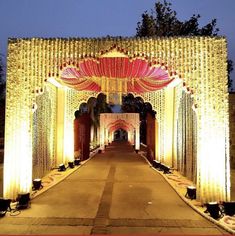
116 192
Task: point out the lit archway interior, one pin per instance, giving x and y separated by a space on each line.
109 122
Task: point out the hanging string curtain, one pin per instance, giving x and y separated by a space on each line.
137 75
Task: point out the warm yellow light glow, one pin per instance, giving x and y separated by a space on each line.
168 129
201 62
212 179
68 142
114 53
55 82
174 83
18 174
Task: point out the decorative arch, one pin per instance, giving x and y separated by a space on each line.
201 63
109 122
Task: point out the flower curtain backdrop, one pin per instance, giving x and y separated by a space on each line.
52 77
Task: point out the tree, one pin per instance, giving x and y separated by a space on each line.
2 81
2 97
230 69
163 21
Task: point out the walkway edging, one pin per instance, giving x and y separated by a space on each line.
66 175
188 203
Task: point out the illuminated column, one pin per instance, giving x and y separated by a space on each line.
129 136
133 136
17 176
60 125
112 136
169 121
177 96
137 138
156 140
68 132
213 169
106 136
102 132
109 136
17 153
92 133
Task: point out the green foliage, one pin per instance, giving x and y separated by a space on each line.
163 21
2 98
230 69
2 81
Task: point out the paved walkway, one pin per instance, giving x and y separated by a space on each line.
116 192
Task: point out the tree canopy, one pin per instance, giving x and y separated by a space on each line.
2 79
163 21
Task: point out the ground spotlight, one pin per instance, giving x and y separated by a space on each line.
166 169
62 167
37 184
4 206
156 164
71 164
77 162
23 200
191 192
214 209
229 208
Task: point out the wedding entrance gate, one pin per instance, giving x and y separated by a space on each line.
184 79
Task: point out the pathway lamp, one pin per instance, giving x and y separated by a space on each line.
23 200
214 209
166 169
77 162
62 167
37 184
191 192
4 206
229 208
71 164
156 164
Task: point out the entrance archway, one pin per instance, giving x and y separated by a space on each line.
155 69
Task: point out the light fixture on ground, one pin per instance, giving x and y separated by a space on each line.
77 162
23 200
214 209
62 167
166 169
229 208
156 164
71 164
37 184
4 206
191 192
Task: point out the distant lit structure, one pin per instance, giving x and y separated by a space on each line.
110 122
184 79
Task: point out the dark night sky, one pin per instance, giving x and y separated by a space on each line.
96 18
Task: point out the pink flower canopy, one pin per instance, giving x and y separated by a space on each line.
137 74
